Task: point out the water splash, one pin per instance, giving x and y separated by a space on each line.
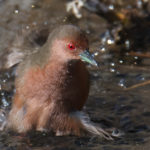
107 38
122 83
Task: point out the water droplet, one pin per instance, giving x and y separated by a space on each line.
110 41
95 54
4 101
27 27
2 117
105 36
142 78
121 61
127 44
112 70
32 6
16 11
122 83
103 49
139 4
88 31
112 64
111 7
7 74
4 80
65 19
2 94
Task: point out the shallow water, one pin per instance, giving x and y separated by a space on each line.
24 29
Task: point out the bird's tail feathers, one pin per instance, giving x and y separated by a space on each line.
90 127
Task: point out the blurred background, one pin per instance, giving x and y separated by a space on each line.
119 36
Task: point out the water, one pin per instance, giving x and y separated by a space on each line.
123 112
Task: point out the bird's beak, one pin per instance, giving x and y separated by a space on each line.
87 57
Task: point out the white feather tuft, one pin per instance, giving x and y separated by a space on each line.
90 126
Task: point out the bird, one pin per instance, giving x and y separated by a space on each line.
52 86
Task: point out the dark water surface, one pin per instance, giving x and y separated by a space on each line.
117 46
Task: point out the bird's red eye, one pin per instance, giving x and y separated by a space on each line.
71 46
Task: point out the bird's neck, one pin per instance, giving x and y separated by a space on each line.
62 67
